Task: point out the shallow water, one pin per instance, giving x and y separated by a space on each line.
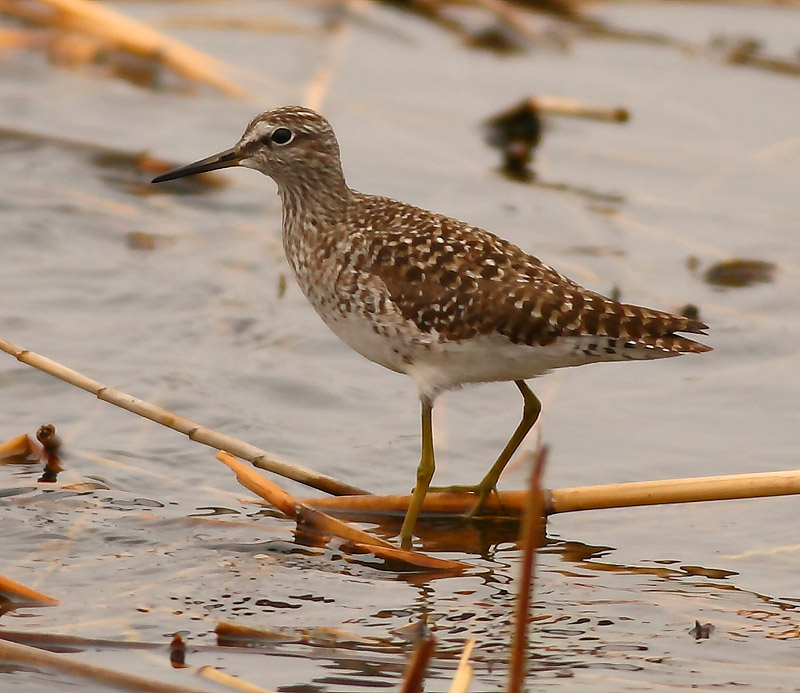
706 168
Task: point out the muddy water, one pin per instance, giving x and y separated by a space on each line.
166 541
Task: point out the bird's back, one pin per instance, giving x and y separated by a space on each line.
459 282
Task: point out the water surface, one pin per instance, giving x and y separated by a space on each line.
706 170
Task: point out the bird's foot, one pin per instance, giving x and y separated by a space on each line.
483 490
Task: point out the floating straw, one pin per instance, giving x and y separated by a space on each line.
96 19
309 518
14 653
193 430
565 500
18 593
688 490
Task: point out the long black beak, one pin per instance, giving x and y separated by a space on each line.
230 157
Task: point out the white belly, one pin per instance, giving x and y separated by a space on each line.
387 347
436 366
484 359
439 366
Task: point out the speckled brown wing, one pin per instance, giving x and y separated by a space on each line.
461 281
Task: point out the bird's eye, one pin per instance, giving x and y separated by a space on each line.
281 136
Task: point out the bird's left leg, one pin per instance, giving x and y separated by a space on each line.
530 413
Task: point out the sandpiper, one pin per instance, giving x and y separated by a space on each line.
437 299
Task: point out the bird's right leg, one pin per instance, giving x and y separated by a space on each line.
425 471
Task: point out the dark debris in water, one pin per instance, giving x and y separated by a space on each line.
499 40
143 240
592 196
595 251
51 452
177 651
559 8
739 273
748 51
73 50
516 132
510 29
701 631
690 311
712 573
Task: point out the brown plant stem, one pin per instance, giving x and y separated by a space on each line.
532 525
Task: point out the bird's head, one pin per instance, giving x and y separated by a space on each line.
294 146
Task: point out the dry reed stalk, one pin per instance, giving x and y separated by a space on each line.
340 38
509 16
51 641
532 525
21 446
11 39
463 676
16 592
14 653
631 494
193 430
509 503
310 518
95 19
394 554
235 684
414 675
688 490
234 635
558 105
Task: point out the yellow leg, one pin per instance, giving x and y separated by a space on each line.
424 475
530 412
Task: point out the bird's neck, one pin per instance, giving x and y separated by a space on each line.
319 207
319 197
313 218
